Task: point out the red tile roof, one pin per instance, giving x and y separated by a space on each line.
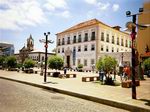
146 54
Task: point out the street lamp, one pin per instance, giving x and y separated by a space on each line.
46 41
132 27
121 66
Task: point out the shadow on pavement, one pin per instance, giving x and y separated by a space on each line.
147 102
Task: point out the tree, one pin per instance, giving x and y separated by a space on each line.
11 61
29 63
108 64
146 64
55 62
2 59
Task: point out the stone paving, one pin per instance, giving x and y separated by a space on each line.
75 85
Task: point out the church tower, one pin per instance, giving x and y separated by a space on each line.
30 43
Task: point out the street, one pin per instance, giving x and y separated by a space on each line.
17 97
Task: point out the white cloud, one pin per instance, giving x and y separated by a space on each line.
66 14
115 7
59 8
103 6
53 4
20 13
91 1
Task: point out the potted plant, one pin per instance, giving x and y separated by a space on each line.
80 66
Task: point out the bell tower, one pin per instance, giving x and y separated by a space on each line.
30 43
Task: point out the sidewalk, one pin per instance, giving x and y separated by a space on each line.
110 95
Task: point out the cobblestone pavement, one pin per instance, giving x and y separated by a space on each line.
16 97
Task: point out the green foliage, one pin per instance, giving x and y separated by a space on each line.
11 61
146 64
106 63
80 66
55 62
29 63
19 65
2 59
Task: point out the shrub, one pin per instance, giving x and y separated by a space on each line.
146 64
11 61
80 66
29 63
55 62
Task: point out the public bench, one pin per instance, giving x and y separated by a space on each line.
67 75
90 78
128 83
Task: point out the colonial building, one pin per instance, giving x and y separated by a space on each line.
143 34
85 42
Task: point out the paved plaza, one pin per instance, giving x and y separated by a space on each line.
111 95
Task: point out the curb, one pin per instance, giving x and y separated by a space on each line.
87 97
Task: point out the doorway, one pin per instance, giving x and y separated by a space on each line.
68 61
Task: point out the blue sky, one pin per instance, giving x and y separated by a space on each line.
20 18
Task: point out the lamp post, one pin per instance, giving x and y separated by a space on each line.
132 27
121 66
46 41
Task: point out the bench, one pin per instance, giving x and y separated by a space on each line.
70 75
90 78
67 75
128 84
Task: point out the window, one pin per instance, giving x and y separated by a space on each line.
107 50
79 48
68 41
117 49
93 36
92 47
102 36
86 37
58 50
85 48
79 38
102 48
126 43
112 49
130 44
107 38
85 62
63 41
79 61
74 51
112 40
42 58
122 42
58 42
92 61
62 50
74 39
117 40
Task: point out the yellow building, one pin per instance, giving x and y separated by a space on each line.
86 42
143 35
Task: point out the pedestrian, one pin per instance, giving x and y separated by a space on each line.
65 70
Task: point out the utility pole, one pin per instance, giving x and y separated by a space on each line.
132 27
46 41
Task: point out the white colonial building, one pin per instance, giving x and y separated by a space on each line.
85 42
